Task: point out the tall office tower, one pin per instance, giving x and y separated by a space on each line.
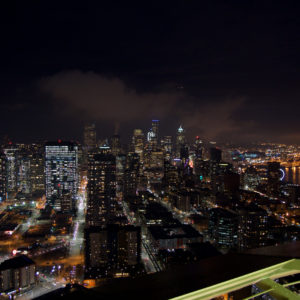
138 142
198 147
89 138
3 180
61 170
115 145
171 176
112 251
202 169
231 182
180 140
273 175
131 177
223 227
101 189
11 153
150 136
155 127
37 168
217 173
251 178
166 144
154 167
23 172
253 227
184 153
215 154
156 160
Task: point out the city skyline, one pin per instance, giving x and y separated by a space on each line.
82 214
223 70
150 149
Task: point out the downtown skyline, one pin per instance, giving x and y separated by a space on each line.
223 71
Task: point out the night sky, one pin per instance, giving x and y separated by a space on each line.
225 70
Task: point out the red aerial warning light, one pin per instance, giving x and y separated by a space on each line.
59 140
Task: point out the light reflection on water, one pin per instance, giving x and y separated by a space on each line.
292 175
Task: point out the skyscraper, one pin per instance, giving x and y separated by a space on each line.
89 137
115 145
253 227
155 127
131 178
101 189
273 174
23 171
215 154
138 142
198 146
11 167
2 177
180 140
61 168
120 171
152 136
37 169
166 144
112 250
223 227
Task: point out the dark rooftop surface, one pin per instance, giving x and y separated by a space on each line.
8 226
291 250
75 291
180 279
16 262
60 143
172 232
187 278
225 213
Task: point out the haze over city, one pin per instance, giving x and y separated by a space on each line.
221 69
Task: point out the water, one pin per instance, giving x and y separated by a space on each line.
292 175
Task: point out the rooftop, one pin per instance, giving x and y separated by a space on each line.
171 232
16 263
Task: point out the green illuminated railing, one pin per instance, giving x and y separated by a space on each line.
262 278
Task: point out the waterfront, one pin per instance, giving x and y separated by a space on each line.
292 175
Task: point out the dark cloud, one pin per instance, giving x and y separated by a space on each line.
95 97
237 61
109 99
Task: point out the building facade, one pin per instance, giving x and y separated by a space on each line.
61 172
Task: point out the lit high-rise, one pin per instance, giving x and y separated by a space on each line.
155 128
180 140
2 177
138 142
61 170
101 189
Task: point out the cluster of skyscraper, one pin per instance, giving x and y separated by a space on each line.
161 193
38 169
